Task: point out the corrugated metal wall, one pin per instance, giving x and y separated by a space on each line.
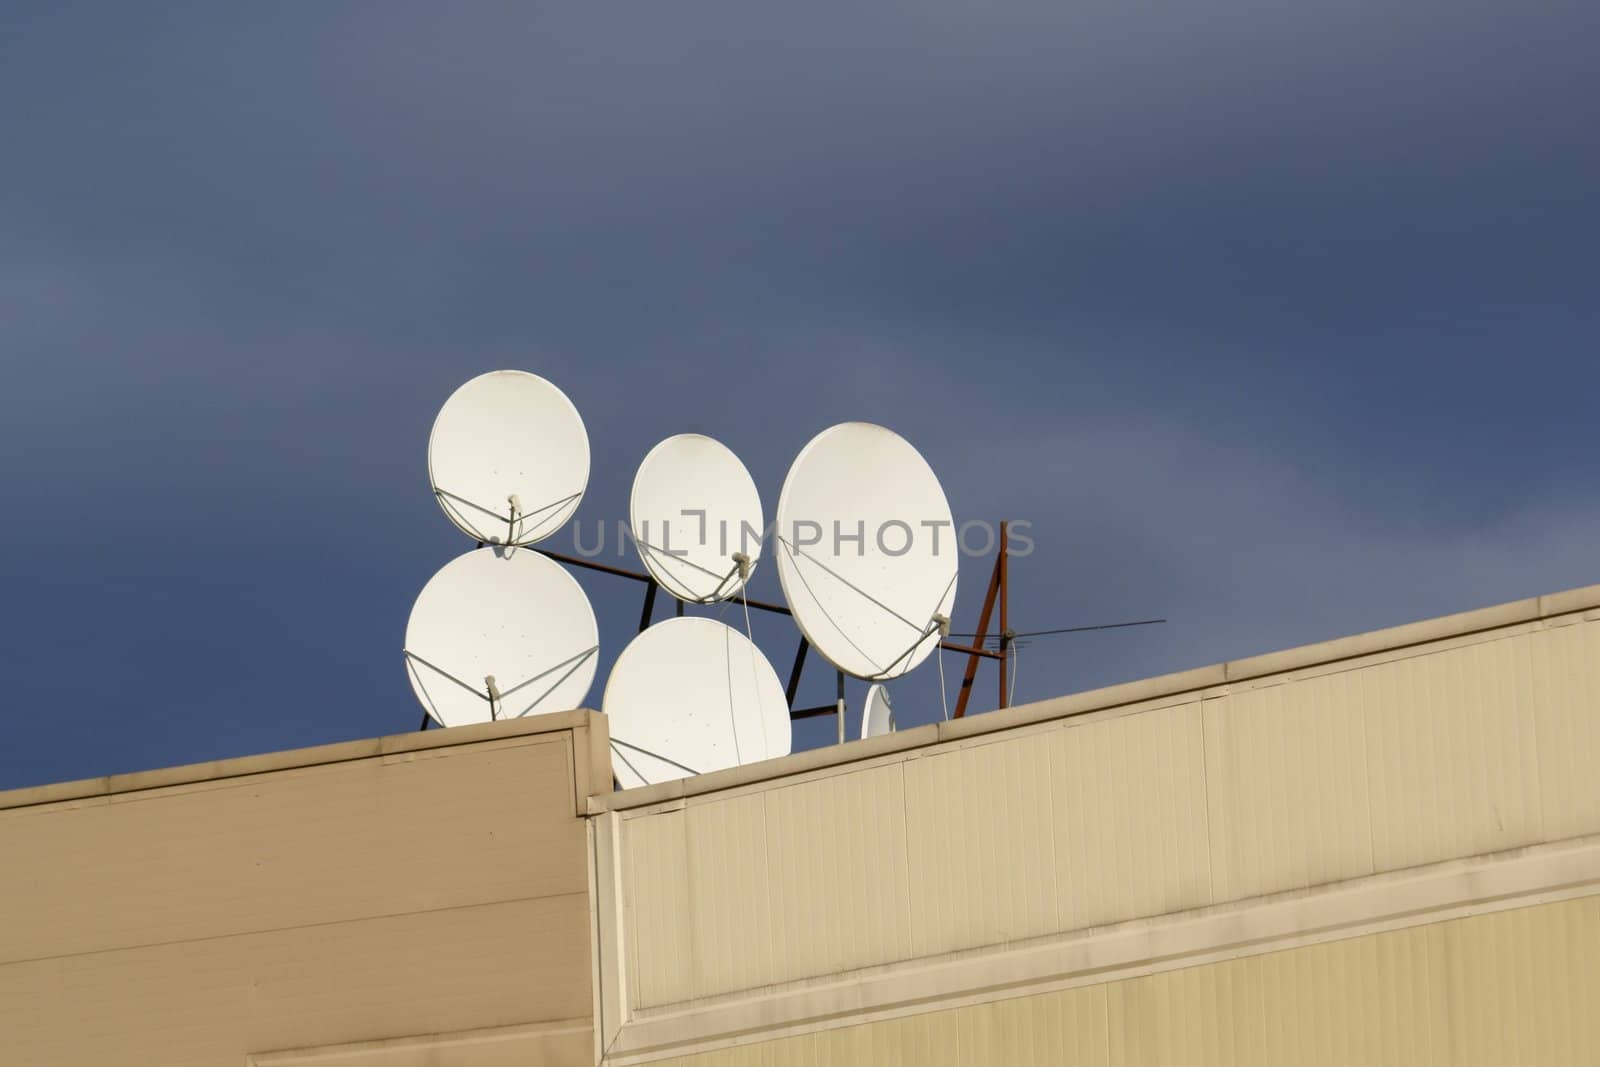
429 891
1511 989
1471 745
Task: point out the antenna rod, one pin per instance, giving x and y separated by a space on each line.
1079 629
1102 626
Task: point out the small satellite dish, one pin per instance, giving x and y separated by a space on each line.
691 695
694 513
499 633
866 550
877 717
508 458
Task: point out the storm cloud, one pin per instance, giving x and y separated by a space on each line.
1278 321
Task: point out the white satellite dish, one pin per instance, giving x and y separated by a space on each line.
877 716
499 633
866 550
694 512
508 458
691 695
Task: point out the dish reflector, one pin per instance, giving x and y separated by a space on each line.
508 458
499 633
866 550
690 695
877 717
694 505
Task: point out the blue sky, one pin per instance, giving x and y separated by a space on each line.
1278 321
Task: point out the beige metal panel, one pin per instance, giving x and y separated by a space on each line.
1452 760
1058 829
1028 1032
979 843
1467 627
1562 681
731 909
1511 989
516 1046
1128 801
655 902
837 874
1518 997
1409 756
743 891
441 828
1423 745
354 893
1365 1000
1039 1031
1406 759
586 725
1378 903
212 1001
1286 774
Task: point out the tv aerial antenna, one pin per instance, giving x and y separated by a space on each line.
1006 640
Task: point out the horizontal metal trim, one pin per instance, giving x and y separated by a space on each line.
1395 900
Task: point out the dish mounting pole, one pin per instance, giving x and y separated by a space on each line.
839 706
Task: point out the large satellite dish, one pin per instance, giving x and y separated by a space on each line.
691 695
508 458
866 550
500 633
877 716
694 510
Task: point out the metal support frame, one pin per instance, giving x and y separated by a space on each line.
794 673
999 580
974 652
1002 570
649 605
998 592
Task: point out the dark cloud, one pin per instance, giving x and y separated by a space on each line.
1274 320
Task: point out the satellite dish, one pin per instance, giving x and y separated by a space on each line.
508 458
499 633
877 717
691 695
867 551
694 508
